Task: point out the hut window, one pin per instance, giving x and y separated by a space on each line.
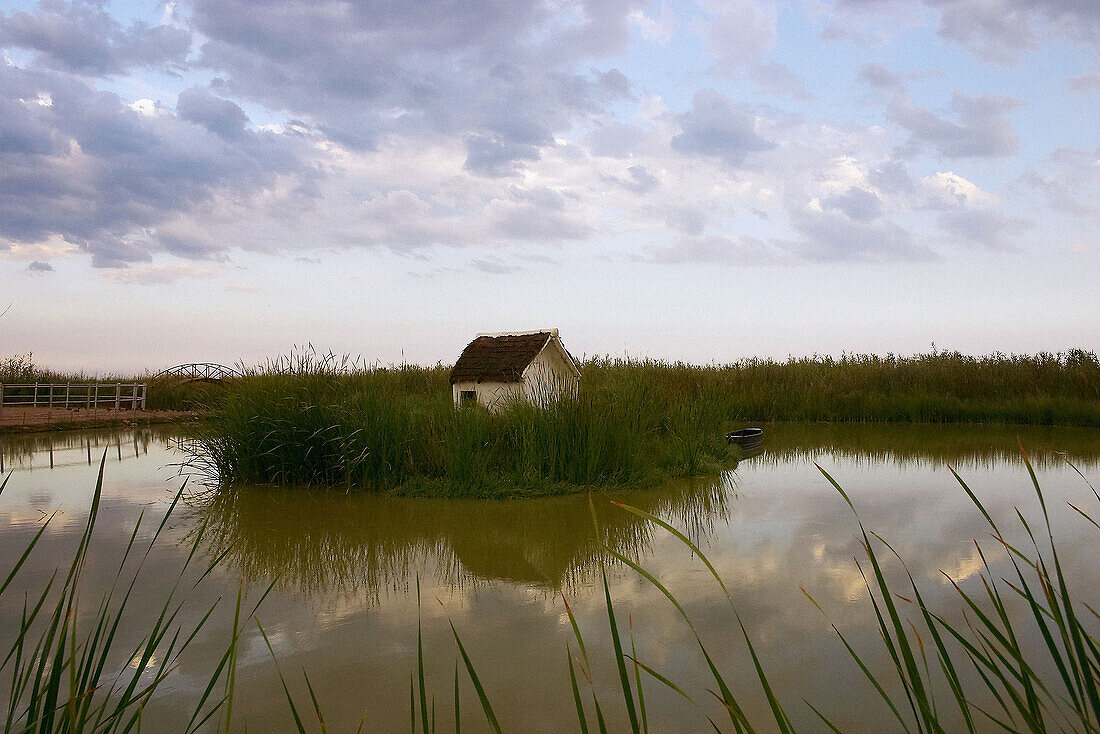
467 396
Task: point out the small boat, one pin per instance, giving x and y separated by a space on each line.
746 438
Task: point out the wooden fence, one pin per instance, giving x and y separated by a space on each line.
118 396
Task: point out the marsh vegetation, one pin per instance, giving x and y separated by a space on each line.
318 421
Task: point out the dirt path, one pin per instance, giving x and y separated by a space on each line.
17 419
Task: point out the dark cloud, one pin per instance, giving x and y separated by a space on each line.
879 77
220 116
82 38
641 180
538 215
982 130
493 156
1001 31
984 227
829 236
37 266
892 177
858 204
996 31
716 127
499 74
79 163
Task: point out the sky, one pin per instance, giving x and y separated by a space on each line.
235 180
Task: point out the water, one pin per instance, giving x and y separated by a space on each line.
345 569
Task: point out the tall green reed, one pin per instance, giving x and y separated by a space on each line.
66 671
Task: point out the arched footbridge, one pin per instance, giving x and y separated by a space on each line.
204 371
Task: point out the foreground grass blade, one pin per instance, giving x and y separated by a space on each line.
420 664
485 705
581 718
286 690
620 661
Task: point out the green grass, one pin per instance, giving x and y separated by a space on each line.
397 431
939 386
1044 389
309 420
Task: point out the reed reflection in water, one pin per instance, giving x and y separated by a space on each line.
959 446
320 540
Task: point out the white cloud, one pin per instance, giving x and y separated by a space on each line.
948 188
660 29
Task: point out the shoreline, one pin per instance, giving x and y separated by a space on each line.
20 420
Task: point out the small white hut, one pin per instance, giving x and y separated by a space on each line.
514 365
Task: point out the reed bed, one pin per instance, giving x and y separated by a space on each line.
937 387
310 420
398 431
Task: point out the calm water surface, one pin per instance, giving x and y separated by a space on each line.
345 567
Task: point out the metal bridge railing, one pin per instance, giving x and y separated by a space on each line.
119 396
200 371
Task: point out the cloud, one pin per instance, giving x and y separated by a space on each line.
831 237
638 180
858 204
947 189
90 168
1073 184
536 215
984 227
500 75
659 29
1084 84
222 117
83 38
37 266
739 34
982 130
614 140
779 80
716 127
1060 195
879 77
494 265
998 31
493 156
995 30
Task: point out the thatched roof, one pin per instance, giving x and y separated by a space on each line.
498 358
